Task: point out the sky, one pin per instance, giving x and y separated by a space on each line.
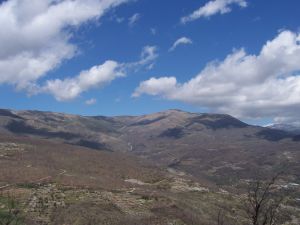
132 57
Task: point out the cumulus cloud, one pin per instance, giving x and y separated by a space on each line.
181 41
134 19
72 87
97 76
154 86
213 7
244 85
36 38
35 35
91 101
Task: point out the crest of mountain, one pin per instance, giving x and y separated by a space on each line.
194 143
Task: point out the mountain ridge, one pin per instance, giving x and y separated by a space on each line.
195 143
158 162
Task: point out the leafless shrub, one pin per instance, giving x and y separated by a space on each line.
264 200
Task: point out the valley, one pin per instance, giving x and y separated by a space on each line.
171 167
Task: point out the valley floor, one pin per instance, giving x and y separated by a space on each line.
43 182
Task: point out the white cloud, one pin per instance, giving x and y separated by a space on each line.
213 7
35 35
134 19
247 86
181 41
97 76
91 101
154 86
148 56
70 88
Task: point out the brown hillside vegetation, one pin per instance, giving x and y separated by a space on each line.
166 168
25 160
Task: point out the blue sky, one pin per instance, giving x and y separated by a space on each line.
108 35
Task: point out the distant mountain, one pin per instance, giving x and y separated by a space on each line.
206 146
294 129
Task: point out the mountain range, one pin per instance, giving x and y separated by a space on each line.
168 159
203 145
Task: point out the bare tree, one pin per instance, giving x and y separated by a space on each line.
263 202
